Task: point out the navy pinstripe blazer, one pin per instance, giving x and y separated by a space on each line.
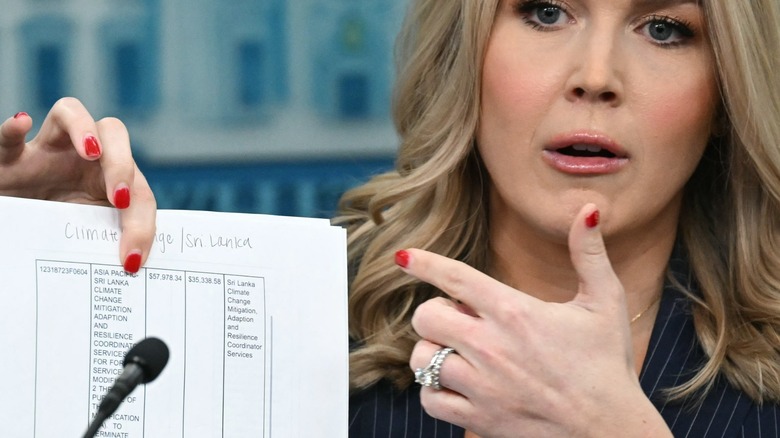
673 355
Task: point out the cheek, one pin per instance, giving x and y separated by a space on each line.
512 110
688 112
515 88
678 128
682 105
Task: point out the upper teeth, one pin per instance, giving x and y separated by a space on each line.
585 147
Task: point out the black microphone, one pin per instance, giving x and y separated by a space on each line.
142 364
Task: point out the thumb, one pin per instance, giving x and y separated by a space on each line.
599 286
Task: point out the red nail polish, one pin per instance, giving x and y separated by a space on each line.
133 262
20 114
122 198
91 146
402 258
592 221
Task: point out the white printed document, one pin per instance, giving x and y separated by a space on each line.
252 308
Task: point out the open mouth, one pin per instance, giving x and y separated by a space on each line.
582 150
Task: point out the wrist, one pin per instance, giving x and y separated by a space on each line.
637 418
626 413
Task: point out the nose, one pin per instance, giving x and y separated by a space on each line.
596 71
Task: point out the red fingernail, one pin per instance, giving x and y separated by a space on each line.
133 262
402 258
20 114
91 146
592 221
122 198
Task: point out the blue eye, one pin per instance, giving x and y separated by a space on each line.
542 15
548 14
660 31
666 31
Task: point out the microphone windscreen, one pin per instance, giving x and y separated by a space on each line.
151 354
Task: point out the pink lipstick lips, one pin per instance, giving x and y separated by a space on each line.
585 153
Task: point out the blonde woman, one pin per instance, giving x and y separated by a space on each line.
580 237
593 191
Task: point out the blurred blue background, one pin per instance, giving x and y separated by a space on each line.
266 106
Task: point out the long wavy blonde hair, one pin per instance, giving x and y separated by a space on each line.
436 197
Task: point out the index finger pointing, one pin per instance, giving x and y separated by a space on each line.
456 279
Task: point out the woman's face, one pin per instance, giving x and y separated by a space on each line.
604 101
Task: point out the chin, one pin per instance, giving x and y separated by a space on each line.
565 209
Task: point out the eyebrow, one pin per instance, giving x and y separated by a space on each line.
658 3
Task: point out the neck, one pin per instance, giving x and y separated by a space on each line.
540 265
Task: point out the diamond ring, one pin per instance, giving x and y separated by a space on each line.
429 376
